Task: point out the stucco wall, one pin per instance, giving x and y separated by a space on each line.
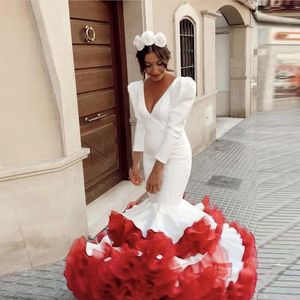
29 121
40 216
164 21
134 22
201 124
222 66
223 74
254 65
42 207
162 15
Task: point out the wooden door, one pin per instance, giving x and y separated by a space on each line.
98 47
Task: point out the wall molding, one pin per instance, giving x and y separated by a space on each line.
55 35
207 13
204 97
45 167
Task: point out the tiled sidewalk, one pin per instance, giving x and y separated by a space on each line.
261 155
252 174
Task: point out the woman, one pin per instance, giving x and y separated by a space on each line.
163 248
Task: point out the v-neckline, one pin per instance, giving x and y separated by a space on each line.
163 94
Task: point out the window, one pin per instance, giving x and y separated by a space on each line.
187 48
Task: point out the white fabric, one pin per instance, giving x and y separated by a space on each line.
160 135
181 101
231 241
138 144
169 219
173 221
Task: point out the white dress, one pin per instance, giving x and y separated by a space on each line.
197 236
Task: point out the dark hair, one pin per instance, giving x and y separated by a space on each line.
162 52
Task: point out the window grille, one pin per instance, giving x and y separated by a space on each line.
187 48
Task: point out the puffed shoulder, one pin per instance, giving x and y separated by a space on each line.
133 91
132 87
187 83
185 88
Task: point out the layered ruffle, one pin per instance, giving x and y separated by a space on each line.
171 220
124 263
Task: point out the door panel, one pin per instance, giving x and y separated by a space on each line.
101 138
91 102
99 97
90 10
93 79
91 57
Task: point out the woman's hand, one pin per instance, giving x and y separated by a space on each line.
134 175
134 172
155 178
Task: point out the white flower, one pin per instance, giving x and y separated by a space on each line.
148 38
160 39
138 43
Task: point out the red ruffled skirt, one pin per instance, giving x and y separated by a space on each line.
122 264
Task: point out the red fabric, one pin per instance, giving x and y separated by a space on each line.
122 230
131 204
244 288
200 238
144 269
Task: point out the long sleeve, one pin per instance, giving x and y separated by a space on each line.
139 135
182 102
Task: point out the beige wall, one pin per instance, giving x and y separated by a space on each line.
201 134
161 15
134 24
254 65
29 123
201 125
164 21
40 216
42 207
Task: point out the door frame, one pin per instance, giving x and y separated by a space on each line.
120 77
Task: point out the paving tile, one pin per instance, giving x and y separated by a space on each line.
252 174
225 182
264 152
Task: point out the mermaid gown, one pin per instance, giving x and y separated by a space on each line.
165 248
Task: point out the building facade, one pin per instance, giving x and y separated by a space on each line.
66 121
278 53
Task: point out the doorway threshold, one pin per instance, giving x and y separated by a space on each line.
117 198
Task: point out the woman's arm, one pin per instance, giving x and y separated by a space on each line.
137 158
182 101
134 171
139 136
155 178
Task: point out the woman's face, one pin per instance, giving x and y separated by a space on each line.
154 67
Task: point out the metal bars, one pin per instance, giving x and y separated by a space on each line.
187 48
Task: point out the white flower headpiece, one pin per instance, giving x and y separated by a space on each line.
148 38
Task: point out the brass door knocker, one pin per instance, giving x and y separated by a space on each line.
90 30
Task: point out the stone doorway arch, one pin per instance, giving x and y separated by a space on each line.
232 15
239 62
